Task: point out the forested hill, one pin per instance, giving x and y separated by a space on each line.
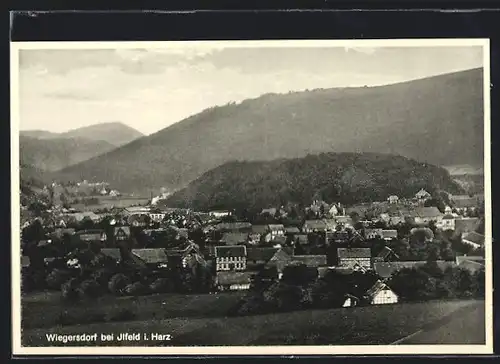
335 177
438 120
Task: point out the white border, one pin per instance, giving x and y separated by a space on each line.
17 349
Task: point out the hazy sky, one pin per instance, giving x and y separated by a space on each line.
149 89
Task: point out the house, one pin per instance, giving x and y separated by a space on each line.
463 202
270 211
257 256
233 281
153 258
231 258
137 220
122 233
313 261
60 232
447 222
338 237
114 193
136 210
373 233
259 229
350 301
393 199
314 226
473 239
345 221
292 230
113 253
91 235
381 294
462 258
395 220
422 195
280 260
331 224
301 239
157 216
334 210
424 215
234 238
388 235
466 225
386 254
354 257
276 230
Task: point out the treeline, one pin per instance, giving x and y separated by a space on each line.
347 178
300 289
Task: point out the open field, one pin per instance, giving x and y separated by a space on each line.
346 326
43 310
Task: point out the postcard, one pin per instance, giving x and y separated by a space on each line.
275 197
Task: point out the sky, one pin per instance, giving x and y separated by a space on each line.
150 89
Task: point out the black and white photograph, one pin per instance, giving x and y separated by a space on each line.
254 197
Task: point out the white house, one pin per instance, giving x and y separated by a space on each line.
393 199
381 294
447 222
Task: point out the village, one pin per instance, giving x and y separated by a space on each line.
152 248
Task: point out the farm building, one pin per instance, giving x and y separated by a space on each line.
234 281
353 257
381 294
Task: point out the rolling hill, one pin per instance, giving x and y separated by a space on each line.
438 120
114 133
53 151
57 153
342 177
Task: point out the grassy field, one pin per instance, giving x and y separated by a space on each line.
45 310
346 326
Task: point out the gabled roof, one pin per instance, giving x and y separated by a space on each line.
292 230
354 253
466 225
471 265
122 231
310 260
259 229
229 278
230 251
376 288
474 237
113 253
389 233
275 227
385 252
429 212
152 256
260 254
462 258
465 203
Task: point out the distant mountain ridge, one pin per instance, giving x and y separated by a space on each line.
438 120
339 177
49 151
114 133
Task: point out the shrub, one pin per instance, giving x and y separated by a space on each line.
56 278
117 283
161 285
69 290
90 288
136 289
